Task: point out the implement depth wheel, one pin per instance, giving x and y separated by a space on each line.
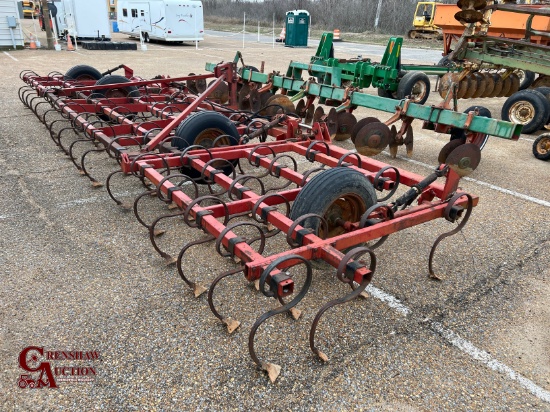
82 72
480 139
527 107
339 195
416 85
116 92
203 128
541 147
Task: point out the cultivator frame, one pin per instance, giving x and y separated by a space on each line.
111 117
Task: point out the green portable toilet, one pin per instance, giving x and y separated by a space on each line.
297 28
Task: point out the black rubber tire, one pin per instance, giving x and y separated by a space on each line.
252 68
527 79
386 93
115 78
407 83
82 70
537 101
196 123
536 150
327 187
457 133
545 90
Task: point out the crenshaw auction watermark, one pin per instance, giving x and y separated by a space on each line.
47 368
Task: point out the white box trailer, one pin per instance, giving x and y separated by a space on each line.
89 19
165 20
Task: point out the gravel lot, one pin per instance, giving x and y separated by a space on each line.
79 274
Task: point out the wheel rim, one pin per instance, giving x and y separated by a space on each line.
347 208
521 112
114 93
543 146
206 138
418 91
83 77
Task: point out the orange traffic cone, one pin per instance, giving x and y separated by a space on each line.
70 46
282 35
32 44
336 35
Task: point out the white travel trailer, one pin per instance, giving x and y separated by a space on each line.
166 20
88 19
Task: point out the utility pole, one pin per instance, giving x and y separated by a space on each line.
47 23
377 18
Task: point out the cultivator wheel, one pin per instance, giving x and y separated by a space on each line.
82 72
415 86
541 147
479 139
529 108
111 93
337 195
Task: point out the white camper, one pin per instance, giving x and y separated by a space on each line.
166 20
89 20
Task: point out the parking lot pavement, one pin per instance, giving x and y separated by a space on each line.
79 274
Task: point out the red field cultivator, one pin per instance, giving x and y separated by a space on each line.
262 176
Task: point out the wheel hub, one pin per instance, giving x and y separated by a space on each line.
348 208
521 112
418 91
543 146
206 138
114 93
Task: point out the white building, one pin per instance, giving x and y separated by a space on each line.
10 37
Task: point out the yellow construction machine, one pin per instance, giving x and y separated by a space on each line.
423 23
30 9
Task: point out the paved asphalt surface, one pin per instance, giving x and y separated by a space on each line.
366 50
79 274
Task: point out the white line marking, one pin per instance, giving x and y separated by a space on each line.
74 51
392 302
481 183
509 192
77 202
84 201
10 56
485 358
527 139
209 55
465 346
